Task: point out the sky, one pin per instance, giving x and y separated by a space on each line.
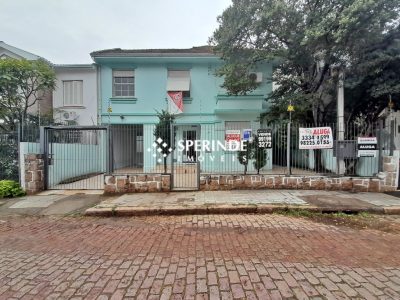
66 31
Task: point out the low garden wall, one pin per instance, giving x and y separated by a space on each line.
383 182
138 183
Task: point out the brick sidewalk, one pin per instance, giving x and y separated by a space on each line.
195 257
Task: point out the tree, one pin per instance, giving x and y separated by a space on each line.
245 155
163 135
308 41
22 84
259 155
374 77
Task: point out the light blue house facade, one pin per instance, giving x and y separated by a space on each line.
133 85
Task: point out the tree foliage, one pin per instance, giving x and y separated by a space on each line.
254 153
22 84
309 42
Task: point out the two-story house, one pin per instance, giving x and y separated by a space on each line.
133 87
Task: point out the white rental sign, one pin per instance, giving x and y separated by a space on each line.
367 146
315 138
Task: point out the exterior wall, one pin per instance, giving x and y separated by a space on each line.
87 113
385 181
34 173
137 183
150 94
208 104
235 182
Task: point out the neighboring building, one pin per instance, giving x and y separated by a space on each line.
75 95
44 106
133 86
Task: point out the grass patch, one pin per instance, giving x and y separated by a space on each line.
361 220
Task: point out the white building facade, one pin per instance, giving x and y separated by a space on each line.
75 95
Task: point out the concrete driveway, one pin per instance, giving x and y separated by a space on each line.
49 204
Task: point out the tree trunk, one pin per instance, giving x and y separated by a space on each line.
318 164
245 169
165 165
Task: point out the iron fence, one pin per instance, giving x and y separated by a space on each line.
137 148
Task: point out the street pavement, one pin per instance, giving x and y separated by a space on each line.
195 257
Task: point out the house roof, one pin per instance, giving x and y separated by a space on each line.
194 51
74 66
19 52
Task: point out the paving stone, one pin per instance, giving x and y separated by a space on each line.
195 257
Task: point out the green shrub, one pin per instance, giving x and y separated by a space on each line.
10 188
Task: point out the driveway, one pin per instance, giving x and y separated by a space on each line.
49 204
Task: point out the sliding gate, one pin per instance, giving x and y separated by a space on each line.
75 157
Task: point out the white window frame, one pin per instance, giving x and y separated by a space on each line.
76 95
179 81
116 73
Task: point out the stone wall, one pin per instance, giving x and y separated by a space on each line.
138 183
385 181
34 173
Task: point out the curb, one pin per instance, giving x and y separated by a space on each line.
229 209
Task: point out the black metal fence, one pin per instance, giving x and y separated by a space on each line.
138 149
147 148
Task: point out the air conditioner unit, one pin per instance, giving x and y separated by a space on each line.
70 115
257 76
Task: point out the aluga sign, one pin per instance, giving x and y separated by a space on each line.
315 138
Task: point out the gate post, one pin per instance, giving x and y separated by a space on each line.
110 152
289 171
380 146
44 149
172 139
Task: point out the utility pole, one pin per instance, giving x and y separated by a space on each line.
340 123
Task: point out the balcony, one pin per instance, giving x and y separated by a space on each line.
236 104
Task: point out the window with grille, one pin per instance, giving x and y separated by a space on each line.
123 83
73 92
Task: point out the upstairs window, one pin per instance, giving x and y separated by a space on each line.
179 81
73 92
123 83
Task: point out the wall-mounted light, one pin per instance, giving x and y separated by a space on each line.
122 117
